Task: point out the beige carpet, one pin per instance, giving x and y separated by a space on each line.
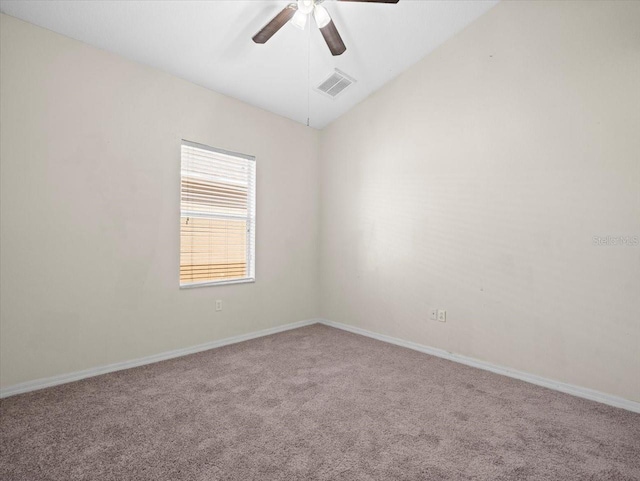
315 403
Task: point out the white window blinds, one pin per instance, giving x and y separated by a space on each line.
217 218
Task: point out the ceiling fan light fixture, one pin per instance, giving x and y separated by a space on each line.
297 14
306 6
299 20
321 15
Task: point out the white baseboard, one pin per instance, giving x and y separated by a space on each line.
469 361
523 376
118 366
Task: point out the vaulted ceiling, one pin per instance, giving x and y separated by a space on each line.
209 43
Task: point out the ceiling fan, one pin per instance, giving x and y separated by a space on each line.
298 13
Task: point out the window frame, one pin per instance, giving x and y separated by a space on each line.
251 221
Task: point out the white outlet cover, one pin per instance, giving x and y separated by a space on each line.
442 315
218 305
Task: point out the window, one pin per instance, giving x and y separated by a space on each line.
217 216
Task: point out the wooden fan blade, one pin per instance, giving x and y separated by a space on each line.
333 39
275 24
372 1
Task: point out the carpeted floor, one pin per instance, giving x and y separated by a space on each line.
312 404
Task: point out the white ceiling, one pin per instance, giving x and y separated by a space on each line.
209 43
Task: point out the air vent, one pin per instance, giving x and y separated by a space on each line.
336 83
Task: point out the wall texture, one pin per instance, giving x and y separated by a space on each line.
476 181
90 169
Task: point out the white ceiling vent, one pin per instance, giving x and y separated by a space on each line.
336 83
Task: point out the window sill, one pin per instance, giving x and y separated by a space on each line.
217 283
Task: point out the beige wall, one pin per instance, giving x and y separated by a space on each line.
90 166
476 181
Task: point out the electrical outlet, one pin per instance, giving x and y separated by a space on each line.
433 314
442 315
218 305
